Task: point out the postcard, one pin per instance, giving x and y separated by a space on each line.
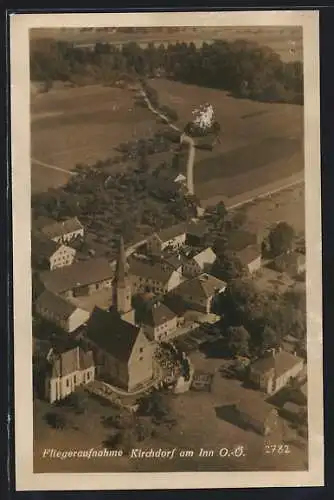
167 250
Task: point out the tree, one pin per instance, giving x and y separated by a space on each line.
228 267
269 339
55 420
238 340
281 239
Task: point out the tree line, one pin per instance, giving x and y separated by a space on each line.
243 68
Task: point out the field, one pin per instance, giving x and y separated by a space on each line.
81 125
260 143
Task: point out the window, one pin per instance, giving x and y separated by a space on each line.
141 349
67 382
141 358
87 376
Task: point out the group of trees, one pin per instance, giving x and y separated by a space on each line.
125 201
241 67
257 321
153 97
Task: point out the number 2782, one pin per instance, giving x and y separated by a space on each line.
277 449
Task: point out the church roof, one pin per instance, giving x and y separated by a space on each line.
110 333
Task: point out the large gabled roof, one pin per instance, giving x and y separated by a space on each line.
110 333
78 274
172 232
203 286
56 229
56 304
279 362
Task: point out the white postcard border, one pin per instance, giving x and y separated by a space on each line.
21 196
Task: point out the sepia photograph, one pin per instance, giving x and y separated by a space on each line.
170 173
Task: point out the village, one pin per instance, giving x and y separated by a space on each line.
130 329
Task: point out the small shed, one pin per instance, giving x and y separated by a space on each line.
257 415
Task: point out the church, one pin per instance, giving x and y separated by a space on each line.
122 352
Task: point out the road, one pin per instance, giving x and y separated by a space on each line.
52 167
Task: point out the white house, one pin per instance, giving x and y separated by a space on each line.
275 370
200 292
61 231
198 262
60 311
159 322
150 276
172 238
250 257
67 371
48 254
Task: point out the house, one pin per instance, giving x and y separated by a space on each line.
48 254
250 258
123 353
60 311
257 415
60 231
199 262
199 293
149 275
196 232
273 371
173 237
159 322
67 371
239 239
80 279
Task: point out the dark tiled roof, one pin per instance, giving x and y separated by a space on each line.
204 285
158 315
249 254
281 362
255 408
78 274
171 232
60 228
197 228
41 246
52 302
150 269
70 361
110 333
240 239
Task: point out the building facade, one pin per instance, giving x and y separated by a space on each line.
60 312
123 354
67 371
275 370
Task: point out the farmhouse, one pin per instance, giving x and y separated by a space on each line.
60 231
147 275
272 372
123 354
170 238
200 292
199 262
250 258
48 254
66 371
159 322
258 415
80 279
60 311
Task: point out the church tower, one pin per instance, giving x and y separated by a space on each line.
122 285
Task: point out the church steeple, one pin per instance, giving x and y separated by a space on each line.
121 266
122 283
